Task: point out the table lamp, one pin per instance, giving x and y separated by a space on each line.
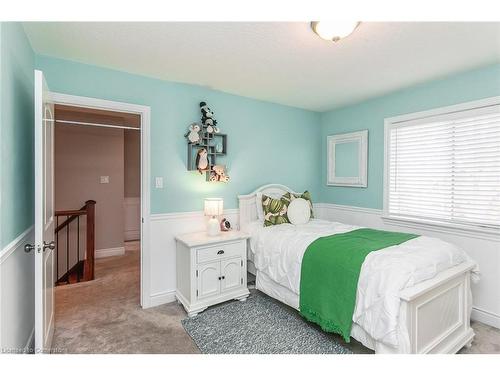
213 208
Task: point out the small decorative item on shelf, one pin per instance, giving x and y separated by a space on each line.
218 174
213 208
202 160
193 134
207 118
205 145
225 225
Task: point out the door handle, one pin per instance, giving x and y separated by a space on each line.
220 252
28 247
51 245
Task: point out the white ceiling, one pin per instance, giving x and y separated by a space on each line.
281 62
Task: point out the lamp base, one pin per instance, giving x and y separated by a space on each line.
213 227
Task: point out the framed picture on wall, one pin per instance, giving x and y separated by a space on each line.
347 159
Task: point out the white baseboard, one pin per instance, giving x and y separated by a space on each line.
110 252
485 317
161 298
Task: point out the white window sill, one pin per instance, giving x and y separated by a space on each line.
439 226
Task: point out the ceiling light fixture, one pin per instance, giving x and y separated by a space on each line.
333 30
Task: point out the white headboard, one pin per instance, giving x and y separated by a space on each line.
248 203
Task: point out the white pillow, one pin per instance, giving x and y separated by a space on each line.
260 210
299 211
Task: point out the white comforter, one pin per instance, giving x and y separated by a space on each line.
278 252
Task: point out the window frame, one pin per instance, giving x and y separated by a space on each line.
412 119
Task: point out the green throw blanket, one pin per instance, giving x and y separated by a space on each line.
330 272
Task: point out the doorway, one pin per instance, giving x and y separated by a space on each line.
105 119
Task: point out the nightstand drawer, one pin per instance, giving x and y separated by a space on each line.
207 254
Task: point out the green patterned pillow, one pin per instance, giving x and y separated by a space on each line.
274 210
288 197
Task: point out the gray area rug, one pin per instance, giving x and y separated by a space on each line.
260 325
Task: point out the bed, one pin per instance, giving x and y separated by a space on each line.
426 312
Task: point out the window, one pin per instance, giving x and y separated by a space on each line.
444 165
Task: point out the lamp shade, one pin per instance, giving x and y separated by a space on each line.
214 206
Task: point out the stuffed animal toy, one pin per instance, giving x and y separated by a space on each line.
202 160
210 125
193 134
218 174
207 118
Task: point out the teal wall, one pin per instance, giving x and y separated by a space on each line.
266 142
16 140
468 86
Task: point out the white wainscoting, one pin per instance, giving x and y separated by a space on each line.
484 249
17 294
164 228
132 218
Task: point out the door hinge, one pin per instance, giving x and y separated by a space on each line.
242 281
142 219
196 292
242 263
196 273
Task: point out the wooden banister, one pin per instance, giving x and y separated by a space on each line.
81 211
87 210
73 214
88 268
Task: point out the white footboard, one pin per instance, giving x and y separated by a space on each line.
438 312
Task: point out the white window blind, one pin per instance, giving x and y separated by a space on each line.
446 168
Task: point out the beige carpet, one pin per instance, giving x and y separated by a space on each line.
104 316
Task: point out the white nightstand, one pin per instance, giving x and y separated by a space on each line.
210 270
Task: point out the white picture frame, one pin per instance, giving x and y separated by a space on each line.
361 138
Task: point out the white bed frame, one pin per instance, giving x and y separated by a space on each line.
431 327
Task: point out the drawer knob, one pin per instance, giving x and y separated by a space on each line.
220 278
223 277
220 252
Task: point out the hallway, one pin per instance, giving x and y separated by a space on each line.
104 316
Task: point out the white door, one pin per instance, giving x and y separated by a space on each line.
208 280
230 271
44 215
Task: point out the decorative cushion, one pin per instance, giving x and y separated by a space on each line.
260 210
274 210
299 211
289 197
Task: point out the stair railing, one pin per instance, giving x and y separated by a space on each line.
84 268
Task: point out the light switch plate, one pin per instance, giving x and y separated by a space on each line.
104 179
159 182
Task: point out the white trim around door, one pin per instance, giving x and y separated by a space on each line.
145 113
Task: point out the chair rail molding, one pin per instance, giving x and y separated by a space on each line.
15 243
